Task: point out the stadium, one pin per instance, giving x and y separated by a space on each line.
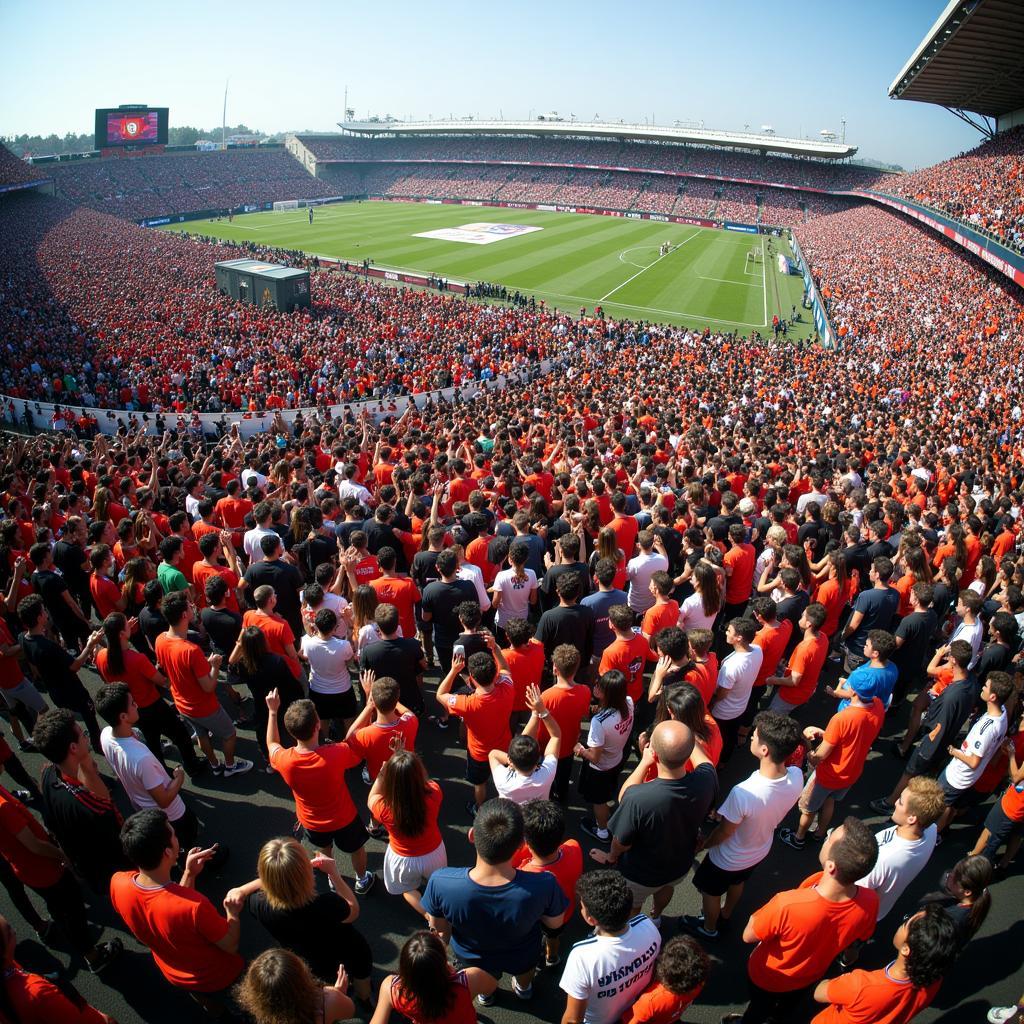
746 374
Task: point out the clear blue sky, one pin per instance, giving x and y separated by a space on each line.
798 66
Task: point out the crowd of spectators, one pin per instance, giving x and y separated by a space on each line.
17 172
983 187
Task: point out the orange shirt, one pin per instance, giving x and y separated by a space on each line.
367 570
807 659
279 636
704 676
851 733
800 933
373 742
11 674
403 594
412 846
201 572
232 512
629 657
873 997
181 928
138 675
486 716
659 616
835 600
105 594
317 781
567 869
28 868
568 707
656 1005
184 664
526 666
625 529
772 640
741 559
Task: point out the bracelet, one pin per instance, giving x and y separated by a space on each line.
545 715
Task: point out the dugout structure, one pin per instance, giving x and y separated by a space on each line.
264 284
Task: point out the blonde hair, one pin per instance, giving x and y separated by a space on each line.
925 800
777 534
286 873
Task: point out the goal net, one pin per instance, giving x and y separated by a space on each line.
286 204
755 255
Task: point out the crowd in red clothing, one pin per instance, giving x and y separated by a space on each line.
17 172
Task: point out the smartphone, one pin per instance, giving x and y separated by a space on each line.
459 651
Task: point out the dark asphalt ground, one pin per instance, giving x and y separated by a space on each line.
244 812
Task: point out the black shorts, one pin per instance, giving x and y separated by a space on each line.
348 838
477 772
918 765
954 797
1001 829
334 705
715 881
597 787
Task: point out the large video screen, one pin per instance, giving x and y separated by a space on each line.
131 127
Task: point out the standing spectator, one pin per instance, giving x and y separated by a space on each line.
679 975
396 590
567 702
525 659
441 600
273 571
330 683
400 657
797 684
193 681
600 601
874 608
491 914
738 563
195 948
605 973
278 985
568 622
514 591
800 932
747 820
627 653
68 618
736 677
656 826
315 773
639 571
526 772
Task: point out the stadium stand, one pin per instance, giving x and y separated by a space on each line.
16 172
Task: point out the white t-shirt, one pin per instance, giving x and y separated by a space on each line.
472 573
610 972
350 489
251 543
757 805
974 634
336 603
899 862
610 731
983 740
515 595
737 675
691 613
138 770
522 788
639 571
328 663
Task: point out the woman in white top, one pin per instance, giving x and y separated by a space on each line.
330 685
514 590
605 749
701 608
313 598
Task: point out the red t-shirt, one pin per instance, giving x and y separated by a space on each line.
184 664
851 732
35 1000
705 677
566 869
279 636
11 674
657 1005
317 781
201 572
138 675
873 997
630 658
567 707
412 846
181 927
462 1010
807 660
486 716
772 640
105 594
741 559
403 594
526 666
38 872
367 570
373 742
625 529
658 617
800 933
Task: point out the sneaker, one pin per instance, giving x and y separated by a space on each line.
1003 1014
522 993
590 826
107 953
790 838
27 746
365 773
23 795
881 806
377 832
237 767
442 723
695 925
365 884
485 1000
218 768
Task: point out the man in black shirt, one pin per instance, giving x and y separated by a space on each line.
151 619
424 572
315 550
68 618
440 602
77 807
998 655
286 580
55 666
856 554
656 825
719 524
400 658
879 546
913 641
569 622
70 559
221 623
380 533
568 551
792 606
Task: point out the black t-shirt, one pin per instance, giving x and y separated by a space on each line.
344 531
87 827
791 608
69 558
51 586
287 583
878 606
568 625
994 658
313 552
152 623
548 588
673 541
424 569
719 525
400 658
916 630
223 625
857 558
659 821
441 599
382 535
950 710
316 932
943 600
53 663
273 674
880 549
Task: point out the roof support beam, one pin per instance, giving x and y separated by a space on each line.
985 125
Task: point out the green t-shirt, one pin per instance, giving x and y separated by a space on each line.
171 579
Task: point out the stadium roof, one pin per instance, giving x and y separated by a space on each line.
761 141
971 59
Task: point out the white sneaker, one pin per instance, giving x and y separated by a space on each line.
1003 1014
238 767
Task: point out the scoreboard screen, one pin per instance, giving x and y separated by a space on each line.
129 127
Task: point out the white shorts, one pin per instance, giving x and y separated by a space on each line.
404 874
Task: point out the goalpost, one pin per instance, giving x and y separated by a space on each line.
286 204
755 257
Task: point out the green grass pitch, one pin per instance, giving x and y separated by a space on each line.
574 260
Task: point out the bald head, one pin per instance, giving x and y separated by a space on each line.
673 744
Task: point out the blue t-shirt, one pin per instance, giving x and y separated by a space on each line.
872 682
599 603
495 927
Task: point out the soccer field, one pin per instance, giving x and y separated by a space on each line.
707 278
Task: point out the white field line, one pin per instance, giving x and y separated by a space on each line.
764 281
724 280
648 267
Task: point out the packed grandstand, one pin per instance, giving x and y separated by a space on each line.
427 455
